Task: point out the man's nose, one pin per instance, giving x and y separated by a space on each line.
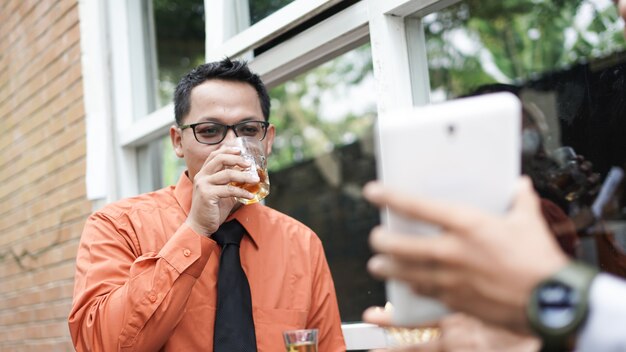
230 135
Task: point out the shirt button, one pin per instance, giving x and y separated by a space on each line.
186 252
152 298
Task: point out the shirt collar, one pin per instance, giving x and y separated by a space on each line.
247 215
183 192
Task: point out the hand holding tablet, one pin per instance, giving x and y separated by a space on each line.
464 151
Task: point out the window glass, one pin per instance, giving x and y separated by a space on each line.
328 107
149 166
259 9
158 165
171 165
474 43
566 60
322 157
179 35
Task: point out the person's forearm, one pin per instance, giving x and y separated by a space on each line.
128 316
125 317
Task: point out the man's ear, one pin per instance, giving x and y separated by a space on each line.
177 140
269 139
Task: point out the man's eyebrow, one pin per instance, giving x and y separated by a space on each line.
221 120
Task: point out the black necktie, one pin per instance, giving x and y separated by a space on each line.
234 327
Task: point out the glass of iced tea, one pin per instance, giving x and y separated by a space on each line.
301 340
253 151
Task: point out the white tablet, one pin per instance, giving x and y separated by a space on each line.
466 150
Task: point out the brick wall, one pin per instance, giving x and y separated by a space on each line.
42 171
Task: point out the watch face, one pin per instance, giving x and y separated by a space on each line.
557 304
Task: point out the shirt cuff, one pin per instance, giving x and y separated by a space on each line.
604 328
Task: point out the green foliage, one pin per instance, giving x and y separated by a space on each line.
298 105
519 38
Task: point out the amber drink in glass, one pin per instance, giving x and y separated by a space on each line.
252 150
301 340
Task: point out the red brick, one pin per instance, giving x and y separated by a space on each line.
43 203
55 291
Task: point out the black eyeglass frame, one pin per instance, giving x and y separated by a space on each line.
264 125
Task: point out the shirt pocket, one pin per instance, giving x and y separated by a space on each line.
270 324
288 318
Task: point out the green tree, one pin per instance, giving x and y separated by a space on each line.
520 38
302 131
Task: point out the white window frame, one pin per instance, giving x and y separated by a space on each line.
127 71
121 109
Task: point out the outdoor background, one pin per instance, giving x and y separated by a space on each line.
567 58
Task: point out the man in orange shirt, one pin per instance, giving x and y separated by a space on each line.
147 267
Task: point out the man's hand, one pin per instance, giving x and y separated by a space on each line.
213 196
482 264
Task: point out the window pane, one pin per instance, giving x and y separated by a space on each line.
171 166
567 62
158 165
321 158
259 9
474 43
149 166
179 31
330 106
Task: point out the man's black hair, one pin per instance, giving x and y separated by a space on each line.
226 69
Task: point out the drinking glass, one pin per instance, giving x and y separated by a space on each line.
253 151
301 340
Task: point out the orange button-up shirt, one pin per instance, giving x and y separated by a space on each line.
146 282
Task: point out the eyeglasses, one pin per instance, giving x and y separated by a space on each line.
214 132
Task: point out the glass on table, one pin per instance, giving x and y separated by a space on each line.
304 340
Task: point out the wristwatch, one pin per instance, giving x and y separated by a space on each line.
558 306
